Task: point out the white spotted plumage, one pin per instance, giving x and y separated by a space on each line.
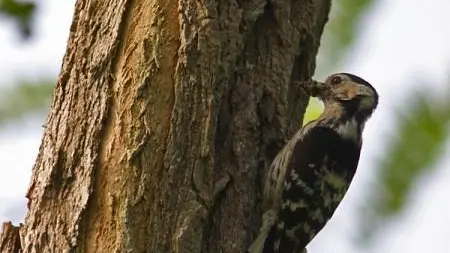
313 181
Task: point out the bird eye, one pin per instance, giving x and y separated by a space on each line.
336 80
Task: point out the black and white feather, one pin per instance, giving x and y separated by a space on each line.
311 174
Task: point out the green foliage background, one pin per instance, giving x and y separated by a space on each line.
19 12
24 98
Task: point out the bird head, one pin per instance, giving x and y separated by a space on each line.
350 94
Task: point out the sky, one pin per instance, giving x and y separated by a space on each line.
401 43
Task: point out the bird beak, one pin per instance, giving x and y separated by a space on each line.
318 89
364 91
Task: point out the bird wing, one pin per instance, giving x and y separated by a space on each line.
275 178
319 172
273 189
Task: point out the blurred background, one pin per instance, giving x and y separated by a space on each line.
399 200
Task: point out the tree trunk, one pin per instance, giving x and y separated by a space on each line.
9 238
165 117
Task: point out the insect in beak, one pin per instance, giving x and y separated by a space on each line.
318 89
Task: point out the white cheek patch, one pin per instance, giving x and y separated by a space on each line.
348 130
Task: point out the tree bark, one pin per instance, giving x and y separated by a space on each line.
165 117
9 238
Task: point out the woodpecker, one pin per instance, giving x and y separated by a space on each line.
311 174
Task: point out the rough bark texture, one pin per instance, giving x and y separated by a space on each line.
164 119
9 238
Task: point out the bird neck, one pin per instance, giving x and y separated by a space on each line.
348 125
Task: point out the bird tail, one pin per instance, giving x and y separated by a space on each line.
258 244
268 221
